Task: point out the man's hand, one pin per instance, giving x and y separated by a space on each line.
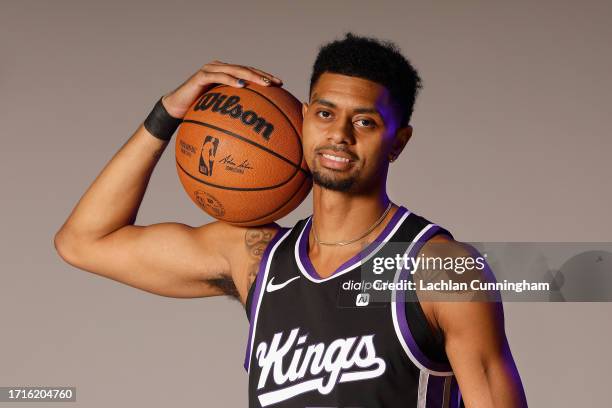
178 101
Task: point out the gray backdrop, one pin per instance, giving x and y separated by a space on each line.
511 143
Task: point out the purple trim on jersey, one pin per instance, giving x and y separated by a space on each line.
455 394
258 282
401 309
303 245
442 392
435 392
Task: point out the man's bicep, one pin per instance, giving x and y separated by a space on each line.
169 259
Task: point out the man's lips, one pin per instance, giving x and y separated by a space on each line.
335 160
335 155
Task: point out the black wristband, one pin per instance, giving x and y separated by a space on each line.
159 122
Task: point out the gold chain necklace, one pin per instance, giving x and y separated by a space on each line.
342 243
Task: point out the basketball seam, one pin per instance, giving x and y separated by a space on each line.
236 188
280 207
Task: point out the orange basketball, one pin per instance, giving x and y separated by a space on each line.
239 154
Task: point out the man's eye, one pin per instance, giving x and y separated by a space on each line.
324 114
366 123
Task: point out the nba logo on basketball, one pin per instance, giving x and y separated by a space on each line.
207 155
362 299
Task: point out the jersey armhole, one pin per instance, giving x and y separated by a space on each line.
255 292
424 345
249 301
429 340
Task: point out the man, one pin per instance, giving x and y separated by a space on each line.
307 345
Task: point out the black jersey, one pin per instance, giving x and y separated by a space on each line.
309 347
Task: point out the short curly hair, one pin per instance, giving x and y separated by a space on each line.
375 60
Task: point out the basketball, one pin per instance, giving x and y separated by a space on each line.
239 154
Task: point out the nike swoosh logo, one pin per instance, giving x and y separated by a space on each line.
272 287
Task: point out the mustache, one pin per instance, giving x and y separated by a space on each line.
337 149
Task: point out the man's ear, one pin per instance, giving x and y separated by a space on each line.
402 135
304 109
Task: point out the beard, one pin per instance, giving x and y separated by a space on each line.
332 183
332 179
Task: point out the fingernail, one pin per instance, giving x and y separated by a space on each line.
241 82
266 80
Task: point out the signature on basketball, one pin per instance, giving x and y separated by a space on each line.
232 166
297 367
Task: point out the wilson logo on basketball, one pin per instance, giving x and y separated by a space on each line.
228 105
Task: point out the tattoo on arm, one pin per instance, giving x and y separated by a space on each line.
256 240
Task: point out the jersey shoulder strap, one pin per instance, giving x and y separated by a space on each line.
430 342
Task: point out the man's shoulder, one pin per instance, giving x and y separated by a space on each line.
445 245
435 230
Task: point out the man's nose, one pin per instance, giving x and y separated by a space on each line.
341 132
